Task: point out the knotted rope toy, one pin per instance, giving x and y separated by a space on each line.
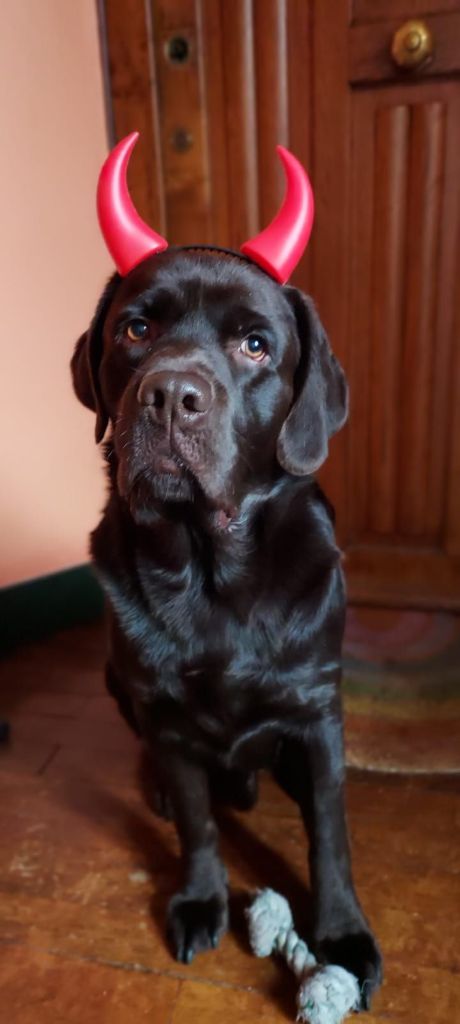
327 993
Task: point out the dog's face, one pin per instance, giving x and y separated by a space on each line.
213 377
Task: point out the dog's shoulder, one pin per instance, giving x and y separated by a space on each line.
301 520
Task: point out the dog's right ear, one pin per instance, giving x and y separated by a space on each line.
321 402
87 358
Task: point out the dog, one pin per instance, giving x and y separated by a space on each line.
216 552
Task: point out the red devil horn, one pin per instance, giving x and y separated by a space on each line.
280 246
128 239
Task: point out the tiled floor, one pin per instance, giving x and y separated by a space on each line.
86 872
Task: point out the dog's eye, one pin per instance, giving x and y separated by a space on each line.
254 347
137 330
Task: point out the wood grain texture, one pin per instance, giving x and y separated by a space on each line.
133 82
61 989
403 576
213 99
446 404
452 538
427 147
331 251
182 116
387 306
359 275
271 60
380 10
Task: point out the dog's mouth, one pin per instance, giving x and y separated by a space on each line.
168 463
162 476
172 485
175 469
167 484
155 469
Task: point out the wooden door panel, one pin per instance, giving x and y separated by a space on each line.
181 122
381 10
378 213
405 269
399 355
399 169
403 578
132 104
330 249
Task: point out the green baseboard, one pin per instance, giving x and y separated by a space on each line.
36 608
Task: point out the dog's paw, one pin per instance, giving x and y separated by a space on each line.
195 925
358 953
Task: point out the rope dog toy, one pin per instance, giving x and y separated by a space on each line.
327 992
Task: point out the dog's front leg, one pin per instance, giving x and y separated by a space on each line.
198 914
312 771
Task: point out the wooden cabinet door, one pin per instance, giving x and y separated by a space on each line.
213 85
386 278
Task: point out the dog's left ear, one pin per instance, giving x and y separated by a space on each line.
320 394
86 361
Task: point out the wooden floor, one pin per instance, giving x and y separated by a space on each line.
87 871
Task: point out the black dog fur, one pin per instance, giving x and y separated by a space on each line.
217 555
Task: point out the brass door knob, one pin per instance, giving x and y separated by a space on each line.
412 45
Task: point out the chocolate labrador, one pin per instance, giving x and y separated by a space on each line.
216 552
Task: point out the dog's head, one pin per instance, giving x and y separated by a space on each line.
213 377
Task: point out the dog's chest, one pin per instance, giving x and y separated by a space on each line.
217 658
217 649
212 640
222 673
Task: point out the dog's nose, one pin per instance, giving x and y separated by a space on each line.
186 397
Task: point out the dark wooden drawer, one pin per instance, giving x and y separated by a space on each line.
370 57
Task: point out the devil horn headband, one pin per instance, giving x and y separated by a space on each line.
129 240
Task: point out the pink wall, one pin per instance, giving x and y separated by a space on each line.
52 267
